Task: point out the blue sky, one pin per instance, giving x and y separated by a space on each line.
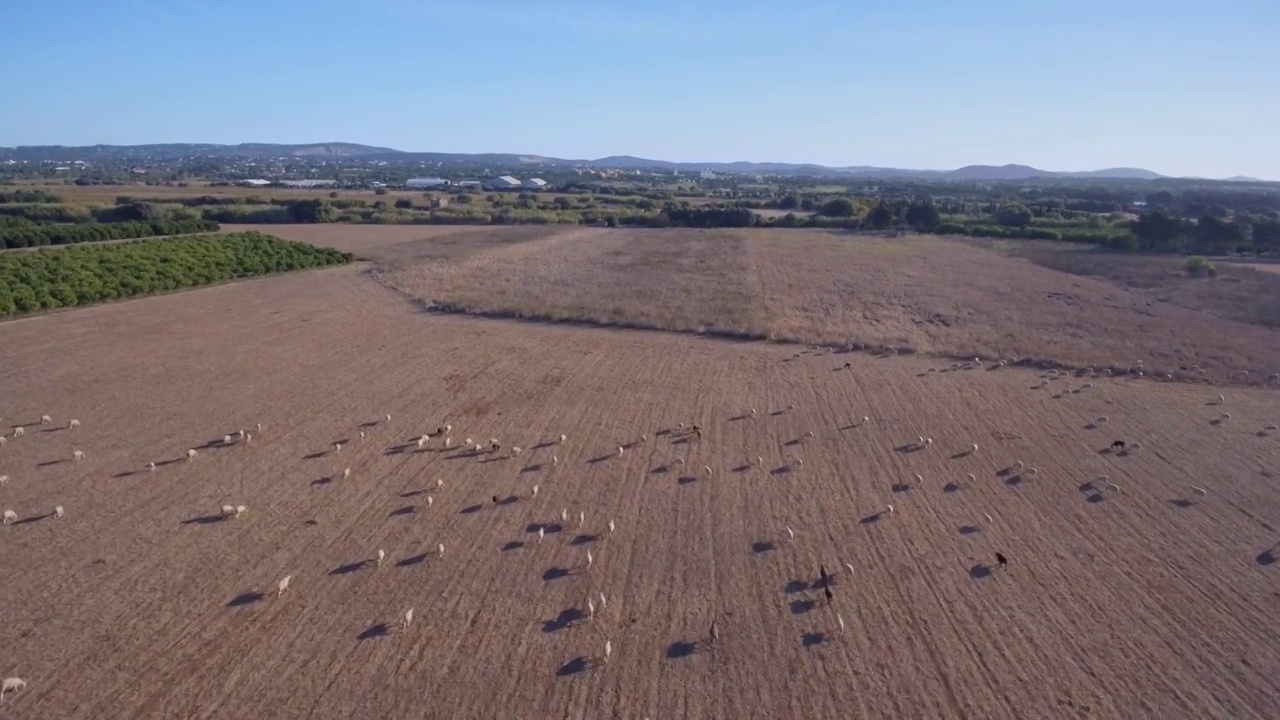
1184 88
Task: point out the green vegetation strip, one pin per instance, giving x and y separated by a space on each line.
44 280
16 232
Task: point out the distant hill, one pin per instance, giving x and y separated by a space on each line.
161 152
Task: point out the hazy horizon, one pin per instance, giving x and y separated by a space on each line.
919 84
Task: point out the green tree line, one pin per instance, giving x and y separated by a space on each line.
82 275
35 235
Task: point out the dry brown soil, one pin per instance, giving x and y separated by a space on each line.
1150 602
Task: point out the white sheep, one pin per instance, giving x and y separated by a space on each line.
361 434
541 532
563 437
590 560
337 447
611 527
1031 471
4 479
604 603
468 441
448 442
535 491
919 479
800 462
228 510
809 434
840 621
258 427
680 461
971 477
1202 491
45 419
477 447
408 619
791 407
19 431
1101 421
283 585
226 439
440 549
554 460
422 441
77 455
151 466
865 420
430 500
381 554
759 461
608 650
13 684
974 449
248 437
707 469
241 433
1221 400
753 412
1269 428
516 450
620 450
680 427
582 518
791 534
10 517
988 517
3 441
890 509
1112 487
73 424
1017 465
564 515
448 428
191 455
1224 416
439 482
240 510
591 608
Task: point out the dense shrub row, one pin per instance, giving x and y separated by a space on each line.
34 235
31 281
28 196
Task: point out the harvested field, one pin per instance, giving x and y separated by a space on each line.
141 602
918 294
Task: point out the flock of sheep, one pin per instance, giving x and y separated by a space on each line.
446 440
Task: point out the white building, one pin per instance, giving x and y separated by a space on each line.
308 183
503 182
256 182
535 183
426 182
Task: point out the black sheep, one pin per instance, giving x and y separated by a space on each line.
1002 560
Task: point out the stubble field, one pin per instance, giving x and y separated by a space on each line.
141 602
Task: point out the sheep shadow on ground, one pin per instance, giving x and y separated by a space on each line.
687 480
680 441
1266 557
907 449
810 639
315 455
322 481
205 520
681 649
535 467
1216 421
871 519
248 598
397 449
125 474
576 666
951 487
310 523
555 573
962 454
741 468
508 500
1087 487
60 428
970 529
900 488
1004 472
544 444
410 561
777 413
660 470
796 586
374 631
792 443
513 545
599 459
1014 481
1094 498
33 518
349 568
547 529
980 571
50 463
411 493
738 418
368 424
762 546
1182 503
401 511
470 509
800 607
566 618
584 539
781 470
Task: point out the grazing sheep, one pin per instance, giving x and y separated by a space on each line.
890 509
680 427
535 491
713 634
226 439
564 515
240 433
791 534
608 650
603 602
494 445
361 434
800 462
240 510
1224 416
591 608
346 473
10 516
1002 561
541 532
759 461
809 434
849 567
1112 487
191 455
478 448
1221 400
3 441
988 517
388 417
680 461
19 431
448 442
1269 428
4 479
707 469
1101 420
753 412
407 621
1117 444
151 466
248 437
1016 466
337 447
258 427
516 450
563 437
791 407
1031 471
77 455
620 451
468 441
283 585
381 554
440 549
45 419
228 510
1202 491
865 420
422 441
73 424
611 527
840 622
974 449
582 518
919 479
448 428
439 482
14 684
971 477
430 501
590 560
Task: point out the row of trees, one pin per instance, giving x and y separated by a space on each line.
38 235
34 281
27 196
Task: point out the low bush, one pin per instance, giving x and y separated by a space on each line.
36 235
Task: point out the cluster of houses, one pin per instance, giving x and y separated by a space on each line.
502 182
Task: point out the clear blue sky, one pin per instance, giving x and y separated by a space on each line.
1180 87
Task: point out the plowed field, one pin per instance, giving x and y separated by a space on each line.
1141 601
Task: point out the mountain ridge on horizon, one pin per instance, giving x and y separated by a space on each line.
1008 172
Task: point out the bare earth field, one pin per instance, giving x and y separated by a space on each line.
922 293
1149 602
